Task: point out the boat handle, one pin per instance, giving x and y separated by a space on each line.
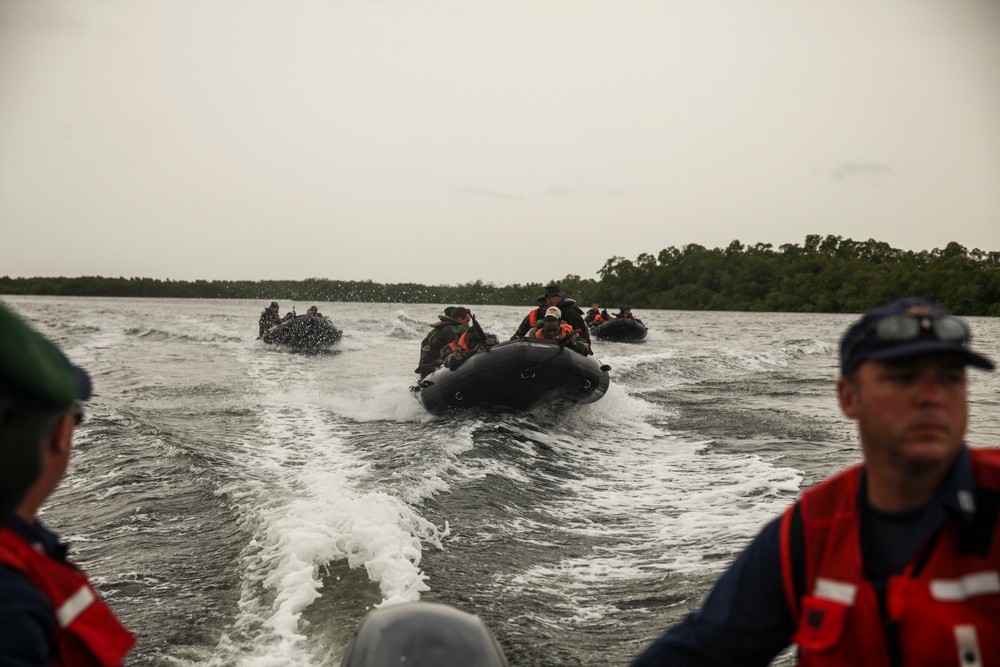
586 384
458 396
528 374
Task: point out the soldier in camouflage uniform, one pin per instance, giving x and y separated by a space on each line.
448 329
268 319
554 328
553 296
465 346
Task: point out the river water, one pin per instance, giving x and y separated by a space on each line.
241 505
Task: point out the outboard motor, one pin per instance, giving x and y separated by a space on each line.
422 634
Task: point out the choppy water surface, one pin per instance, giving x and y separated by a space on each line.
240 505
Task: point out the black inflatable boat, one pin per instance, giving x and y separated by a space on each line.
518 375
304 333
621 329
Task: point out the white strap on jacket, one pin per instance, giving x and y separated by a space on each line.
956 590
837 591
74 606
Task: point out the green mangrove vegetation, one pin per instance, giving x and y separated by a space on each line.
825 274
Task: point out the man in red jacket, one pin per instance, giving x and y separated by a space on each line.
893 562
50 614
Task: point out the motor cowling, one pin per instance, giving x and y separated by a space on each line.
422 634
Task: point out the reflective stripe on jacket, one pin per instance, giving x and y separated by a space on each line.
86 630
943 609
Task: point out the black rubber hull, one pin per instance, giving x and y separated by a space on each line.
304 333
621 330
516 375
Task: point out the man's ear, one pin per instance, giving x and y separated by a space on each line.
847 395
61 437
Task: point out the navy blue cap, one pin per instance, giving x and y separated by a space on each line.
862 343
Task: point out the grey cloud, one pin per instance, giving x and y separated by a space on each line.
846 170
560 191
483 192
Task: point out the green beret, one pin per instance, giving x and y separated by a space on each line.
33 368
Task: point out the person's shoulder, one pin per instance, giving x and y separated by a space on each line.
980 464
27 620
986 454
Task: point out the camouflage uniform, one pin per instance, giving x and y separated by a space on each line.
453 358
446 331
268 319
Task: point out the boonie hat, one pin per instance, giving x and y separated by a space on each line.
553 312
551 288
907 328
31 367
274 304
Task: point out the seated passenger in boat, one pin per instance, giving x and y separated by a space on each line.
466 345
553 328
626 314
595 316
268 319
554 296
450 326
313 312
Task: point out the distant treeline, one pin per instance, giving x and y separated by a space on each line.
825 274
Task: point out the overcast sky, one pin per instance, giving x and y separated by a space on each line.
512 141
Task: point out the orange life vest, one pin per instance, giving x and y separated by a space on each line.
533 318
462 342
945 605
564 328
87 632
598 318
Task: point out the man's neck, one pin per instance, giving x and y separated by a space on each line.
894 490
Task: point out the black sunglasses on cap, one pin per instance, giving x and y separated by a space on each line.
894 328
903 328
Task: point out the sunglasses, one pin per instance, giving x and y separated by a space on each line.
78 414
904 328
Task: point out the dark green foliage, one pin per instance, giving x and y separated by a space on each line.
825 274
312 289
